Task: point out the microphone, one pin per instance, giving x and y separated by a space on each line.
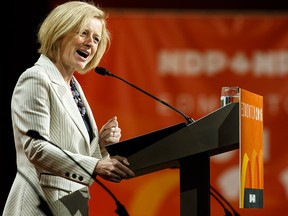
43 205
121 211
103 71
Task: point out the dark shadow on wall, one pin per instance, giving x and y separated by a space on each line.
19 46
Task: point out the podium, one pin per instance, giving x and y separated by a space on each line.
189 148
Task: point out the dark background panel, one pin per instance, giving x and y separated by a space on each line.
19 21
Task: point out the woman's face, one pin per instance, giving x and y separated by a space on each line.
78 49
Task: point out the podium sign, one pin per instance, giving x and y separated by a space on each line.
251 150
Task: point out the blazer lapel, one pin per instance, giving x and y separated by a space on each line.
64 93
65 97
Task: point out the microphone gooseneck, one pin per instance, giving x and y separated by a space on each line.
121 210
104 72
235 213
226 211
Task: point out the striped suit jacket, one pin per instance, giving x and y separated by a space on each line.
42 101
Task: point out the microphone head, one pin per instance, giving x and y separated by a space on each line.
102 71
34 134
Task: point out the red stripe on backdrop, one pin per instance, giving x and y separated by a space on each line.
185 59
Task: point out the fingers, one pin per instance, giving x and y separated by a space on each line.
110 132
115 178
111 123
114 169
124 170
111 135
122 160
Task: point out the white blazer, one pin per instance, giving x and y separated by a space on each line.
42 101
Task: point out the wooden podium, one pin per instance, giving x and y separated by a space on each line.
188 147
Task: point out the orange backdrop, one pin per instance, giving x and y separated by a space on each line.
185 58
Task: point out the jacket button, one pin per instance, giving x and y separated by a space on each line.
74 175
67 174
81 178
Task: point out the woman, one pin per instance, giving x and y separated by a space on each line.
48 99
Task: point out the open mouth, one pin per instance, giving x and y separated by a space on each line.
82 53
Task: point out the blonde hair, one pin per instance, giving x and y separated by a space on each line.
70 17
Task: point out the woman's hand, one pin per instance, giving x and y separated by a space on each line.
110 132
114 169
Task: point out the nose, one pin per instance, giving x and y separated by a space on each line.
88 41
